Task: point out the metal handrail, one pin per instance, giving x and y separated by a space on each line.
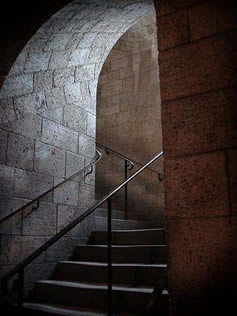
95 160
19 268
130 160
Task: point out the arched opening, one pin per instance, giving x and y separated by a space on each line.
129 119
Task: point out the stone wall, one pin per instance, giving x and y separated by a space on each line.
129 118
48 125
197 43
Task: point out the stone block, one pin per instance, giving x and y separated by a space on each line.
78 57
28 125
196 186
18 66
75 118
17 85
120 63
66 193
86 195
32 243
43 80
62 249
173 30
29 185
3 146
232 170
7 112
20 152
91 125
165 7
95 55
57 41
87 40
202 257
40 222
8 205
36 62
74 41
198 67
11 249
85 72
73 93
66 214
6 180
55 99
200 123
74 164
86 146
31 103
59 59
211 17
63 76
60 136
49 160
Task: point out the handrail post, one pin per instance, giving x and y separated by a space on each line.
126 189
20 289
109 257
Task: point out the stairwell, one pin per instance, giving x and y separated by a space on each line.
79 286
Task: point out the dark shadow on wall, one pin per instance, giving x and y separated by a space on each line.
19 20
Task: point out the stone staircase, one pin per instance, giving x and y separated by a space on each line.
79 286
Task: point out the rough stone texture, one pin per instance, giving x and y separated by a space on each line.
128 116
212 17
49 160
198 81
232 170
41 222
175 28
86 146
195 67
200 184
20 152
57 135
3 146
66 193
6 180
49 98
200 123
75 118
29 185
200 264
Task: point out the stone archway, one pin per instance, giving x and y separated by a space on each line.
48 107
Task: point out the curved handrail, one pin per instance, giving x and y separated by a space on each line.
95 160
130 160
19 268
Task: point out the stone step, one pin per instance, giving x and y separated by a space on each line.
139 274
130 237
123 254
116 214
128 299
121 224
56 309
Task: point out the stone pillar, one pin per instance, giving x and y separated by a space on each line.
198 63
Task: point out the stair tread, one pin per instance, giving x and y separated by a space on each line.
97 286
131 230
123 220
89 263
123 246
63 309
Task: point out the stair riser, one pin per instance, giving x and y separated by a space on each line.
129 238
121 275
122 255
116 214
101 224
93 298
